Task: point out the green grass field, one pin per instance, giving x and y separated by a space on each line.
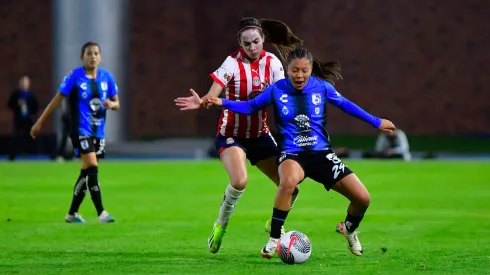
432 217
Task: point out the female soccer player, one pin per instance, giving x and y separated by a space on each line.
300 112
242 76
91 91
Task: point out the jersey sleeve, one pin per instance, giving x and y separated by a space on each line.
67 84
333 96
225 72
277 70
349 107
112 89
249 107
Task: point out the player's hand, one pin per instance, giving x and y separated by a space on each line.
213 101
108 104
264 86
387 126
190 102
35 129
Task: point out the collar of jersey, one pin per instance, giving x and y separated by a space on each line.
290 84
244 55
82 73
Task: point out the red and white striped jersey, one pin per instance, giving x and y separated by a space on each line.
239 76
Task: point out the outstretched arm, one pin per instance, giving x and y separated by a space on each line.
251 106
349 107
352 109
245 107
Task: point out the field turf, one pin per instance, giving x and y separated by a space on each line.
425 218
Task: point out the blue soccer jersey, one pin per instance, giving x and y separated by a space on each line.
300 115
85 97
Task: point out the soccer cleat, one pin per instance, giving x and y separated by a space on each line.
269 249
106 218
216 237
353 242
268 227
76 218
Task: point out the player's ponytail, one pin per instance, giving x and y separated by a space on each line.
275 32
284 41
329 71
280 36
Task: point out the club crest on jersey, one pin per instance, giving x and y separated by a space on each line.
256 81
285 110
103 86
230 140
316 98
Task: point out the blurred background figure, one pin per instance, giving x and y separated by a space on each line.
24 106
391 145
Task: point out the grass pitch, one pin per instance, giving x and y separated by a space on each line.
425 217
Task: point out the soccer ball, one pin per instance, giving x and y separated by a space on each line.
294 247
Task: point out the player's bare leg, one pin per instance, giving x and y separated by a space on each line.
234 161
291 174
270 169
353 189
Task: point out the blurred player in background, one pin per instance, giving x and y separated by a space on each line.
300 113
24 106
242 76
391 145
91 91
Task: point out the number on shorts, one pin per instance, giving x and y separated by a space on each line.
338 167
101 146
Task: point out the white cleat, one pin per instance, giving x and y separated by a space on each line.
353 242
269 249
106 218
75 218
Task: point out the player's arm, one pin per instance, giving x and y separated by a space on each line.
251 106
214 91
53 105
349 107
277 70
64 90
113 101
221 78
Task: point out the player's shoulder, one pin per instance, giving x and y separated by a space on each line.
280 85
105 74
76 72
320 83
233 57
272 56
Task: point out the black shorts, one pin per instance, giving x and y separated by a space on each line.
84 145
321 166
257 149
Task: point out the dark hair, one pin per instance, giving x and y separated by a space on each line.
88 44
329 71
284 41
275 32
